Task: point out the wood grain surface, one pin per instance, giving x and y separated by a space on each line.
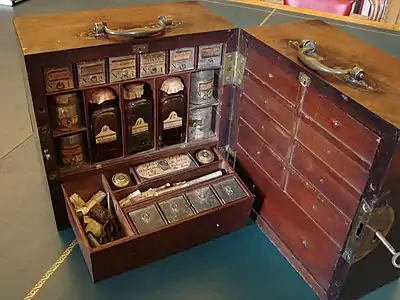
58 32
339 49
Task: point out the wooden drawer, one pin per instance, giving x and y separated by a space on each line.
342 126
135 249
324 180
270 102
320 209
275 73
272 133
250 142
342 163
304 238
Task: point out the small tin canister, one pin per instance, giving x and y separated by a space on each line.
229 190
200 123
65 112
121 180
205 156
202 199
202 87
175 209
147 219
72 150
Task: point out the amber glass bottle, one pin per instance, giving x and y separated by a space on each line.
105 125
172 112
138 103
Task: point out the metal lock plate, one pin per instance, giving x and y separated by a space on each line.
122 68
181 59
176 209
203 199
58 79
152 64
147 219
209 56
91 72
382 220
229 190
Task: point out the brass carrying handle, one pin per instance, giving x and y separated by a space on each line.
306 52
101 29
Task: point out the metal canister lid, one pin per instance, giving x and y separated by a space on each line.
205 156
121 180
66 99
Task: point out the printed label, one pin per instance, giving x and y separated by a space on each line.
122 68
206 86
173 121
91 73
140 126
152 64
164 166
106 135
58 79
181 59
210 56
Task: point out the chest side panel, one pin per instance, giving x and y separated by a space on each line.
318 150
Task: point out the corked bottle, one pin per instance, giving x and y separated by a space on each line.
139 118
105 125
172 112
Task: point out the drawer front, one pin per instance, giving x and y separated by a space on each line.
250 142
341 125
272 133
273 72
320 209
350 170
323 179
304 238
270 102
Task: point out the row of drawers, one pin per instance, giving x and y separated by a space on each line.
312 159
280 97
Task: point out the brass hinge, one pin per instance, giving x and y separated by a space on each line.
233 68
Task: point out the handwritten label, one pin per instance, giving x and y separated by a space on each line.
140 126
181 59
173 121
210 56
152 64
122 68
58 79
106 135
91 73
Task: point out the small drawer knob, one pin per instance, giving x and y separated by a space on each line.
335 124
217 225
271 75
304 242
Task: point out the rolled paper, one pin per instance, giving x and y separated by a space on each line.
92 240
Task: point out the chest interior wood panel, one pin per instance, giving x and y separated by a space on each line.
324 159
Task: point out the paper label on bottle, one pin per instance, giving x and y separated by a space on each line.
122 68
140 126
210 56
206 86
173 121
106 135
181 59
91 73
152 64
164 166
58 79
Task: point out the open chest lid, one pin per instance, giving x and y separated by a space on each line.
356 69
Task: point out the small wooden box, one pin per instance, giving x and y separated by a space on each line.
289 123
